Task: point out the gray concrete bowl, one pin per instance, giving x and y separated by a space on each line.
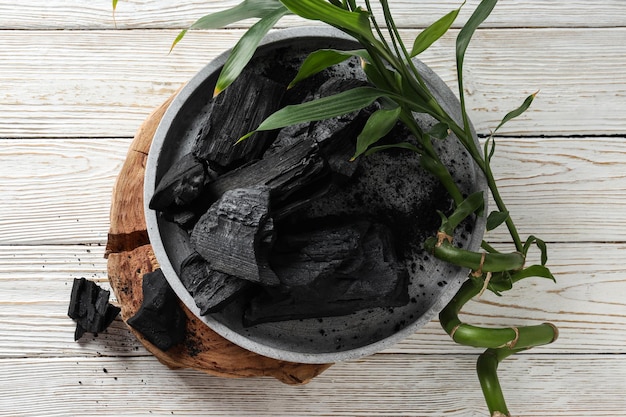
432 282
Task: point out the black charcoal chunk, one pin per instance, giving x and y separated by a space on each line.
284 173
235 235
180 194
160 319
236 111
365 273
304 258
210 289
90 308
181 185
337 136
294 169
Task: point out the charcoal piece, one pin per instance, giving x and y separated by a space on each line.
304 258
181 185
90 308
160 319
210 289
337 136
294 169
185 218
369 276
234 233
236 111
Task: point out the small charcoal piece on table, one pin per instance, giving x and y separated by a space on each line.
160 319
331 272
210 289
236 234
90 308
235 112
180 193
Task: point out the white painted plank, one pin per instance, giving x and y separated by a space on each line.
562 189
58 190
588 303
103 83
86 14
382 385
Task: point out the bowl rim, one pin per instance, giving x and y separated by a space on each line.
174 281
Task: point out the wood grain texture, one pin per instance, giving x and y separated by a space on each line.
383 385
588 303
104 83
57 191
159 14
71 100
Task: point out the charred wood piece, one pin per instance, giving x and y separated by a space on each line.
236 234
358 269
181 185
180 195
284 173
160 319
90 308
336 137
210 289
236 111
303 259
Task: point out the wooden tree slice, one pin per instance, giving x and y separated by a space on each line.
130 256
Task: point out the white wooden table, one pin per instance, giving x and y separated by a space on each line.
74 88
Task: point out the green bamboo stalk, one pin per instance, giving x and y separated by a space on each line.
500 343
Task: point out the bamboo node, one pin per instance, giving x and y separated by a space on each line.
479 271
513 342
556 332
443 236
453 331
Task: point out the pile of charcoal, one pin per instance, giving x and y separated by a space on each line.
246 209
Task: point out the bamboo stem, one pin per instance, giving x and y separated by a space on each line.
500 343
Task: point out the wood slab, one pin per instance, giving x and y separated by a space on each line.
129 256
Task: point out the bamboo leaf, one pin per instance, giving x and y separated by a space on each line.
320 109
539 271
540 244
352 22
500 282
375 77
517 112
439 131
378 125
402 145
465 35
245 48
433 32
324 58
496 218
472 204
247 9
462 42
